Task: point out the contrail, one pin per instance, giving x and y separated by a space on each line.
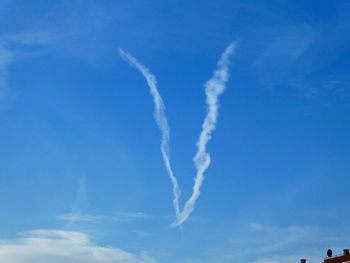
213 88
161 120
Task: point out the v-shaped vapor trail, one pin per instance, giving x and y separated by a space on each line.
213 88
161 120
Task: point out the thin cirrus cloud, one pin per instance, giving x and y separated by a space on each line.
265 243
57 246
72 218
9 54
6 57
213 88
81 203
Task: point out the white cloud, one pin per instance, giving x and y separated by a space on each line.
57 246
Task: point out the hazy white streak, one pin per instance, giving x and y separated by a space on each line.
161 120
56 246
213 88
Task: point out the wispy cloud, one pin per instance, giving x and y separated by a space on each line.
326 88
37 37
9 54
134 215
279 238
63 247
276 58
161 120
78 213
79 205
81 199
261 243
6 57
74 217
213 88
119 217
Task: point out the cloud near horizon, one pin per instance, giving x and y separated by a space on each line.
59 246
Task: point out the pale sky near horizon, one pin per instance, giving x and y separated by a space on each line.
82 177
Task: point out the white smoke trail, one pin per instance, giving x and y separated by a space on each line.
213 88
161 120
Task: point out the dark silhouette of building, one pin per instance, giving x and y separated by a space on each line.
343 258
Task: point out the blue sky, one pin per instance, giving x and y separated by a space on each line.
82 177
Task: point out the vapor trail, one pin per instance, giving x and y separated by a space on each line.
213 88
161 120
